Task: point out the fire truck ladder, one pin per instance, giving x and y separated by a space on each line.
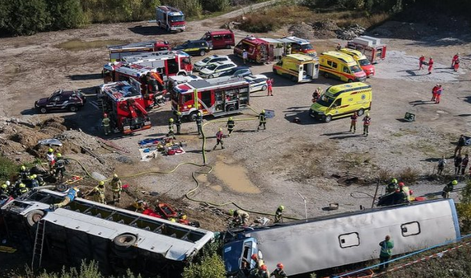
38 245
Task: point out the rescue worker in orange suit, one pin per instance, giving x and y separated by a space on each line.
439 94
219 137
279 272
421 62
353 124
434 92
455 59
430 65
262 120
270 87
366 124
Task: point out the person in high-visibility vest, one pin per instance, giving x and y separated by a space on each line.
366 124
106 124
171 133
199 122
386 252
279 214
178 122
116 187
262 118
230 126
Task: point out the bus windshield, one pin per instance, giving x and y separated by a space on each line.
355 69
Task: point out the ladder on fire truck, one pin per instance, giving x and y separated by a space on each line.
38 247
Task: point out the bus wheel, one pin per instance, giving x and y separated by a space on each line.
34 217
328 118
360 112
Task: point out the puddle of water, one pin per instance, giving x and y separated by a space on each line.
235 177
77 45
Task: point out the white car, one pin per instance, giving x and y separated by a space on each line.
209 60
215 69
257 82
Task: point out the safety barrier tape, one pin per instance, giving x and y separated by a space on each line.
403 257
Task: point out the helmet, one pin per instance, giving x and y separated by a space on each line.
34 176
173 220
105 115
184 217
199 113
281 207
411 192
50 150
231 212
454 182
394 180
4 186
220 129
367 114
401 184
115 176
8 183
230 118
280 265
319 88
254 257
59 155
21 185
23 168
101 183
263 267
263 111
171 120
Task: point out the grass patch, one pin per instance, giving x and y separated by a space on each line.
425 147
79 45
408 175
8 168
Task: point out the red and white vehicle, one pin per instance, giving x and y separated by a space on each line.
170 19
217 96
124 104
167 63
373 49
118 52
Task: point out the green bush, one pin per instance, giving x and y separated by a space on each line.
8 169
24 17
464 208
210 267
191 8
215 5
65 14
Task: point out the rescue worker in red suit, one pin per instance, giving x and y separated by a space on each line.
421 62
439 94
455 58
270 87
430 65
434 92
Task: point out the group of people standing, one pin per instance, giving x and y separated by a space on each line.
455 63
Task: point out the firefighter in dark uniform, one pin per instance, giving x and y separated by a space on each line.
262 120
448 188
392 186
170 133
230 126
279 272
178 122
199 122
279 214
59 166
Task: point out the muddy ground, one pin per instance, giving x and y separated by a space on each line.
258 170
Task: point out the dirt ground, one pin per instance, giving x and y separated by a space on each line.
258 171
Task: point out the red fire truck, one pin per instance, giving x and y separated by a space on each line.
170 19
123 103
167 63
216 96
117 52
257 49
372 47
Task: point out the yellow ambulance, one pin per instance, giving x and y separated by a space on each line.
361 59
298 67
341 66
342 101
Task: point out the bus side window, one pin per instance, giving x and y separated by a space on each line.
349 240
410 229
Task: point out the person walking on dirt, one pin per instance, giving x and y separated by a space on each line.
270 87
366 124
230 126
353 123
219 137
441 165
106 124
178 122
59 167
279 214
460 145
464 164
386 252
170 133
430 65
434 92
456 58
448 188
117 188
439 94
262 118
199 122
51 159
245 56
338 47
458 161
421 62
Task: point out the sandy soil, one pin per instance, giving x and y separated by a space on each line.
261 170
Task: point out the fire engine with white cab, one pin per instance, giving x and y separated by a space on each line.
170 19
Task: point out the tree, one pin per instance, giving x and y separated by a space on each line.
65 14
210 267
215 5
26 17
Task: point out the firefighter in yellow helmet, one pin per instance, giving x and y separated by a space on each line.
199 122
171 132
219 137
279 214
117 188
241 216
178 122
449 188
24 172
262 118
4 190
21 189
230 126
98 193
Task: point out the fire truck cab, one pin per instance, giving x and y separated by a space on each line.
257 49
123 103
170 19
372 47
217 96
118 52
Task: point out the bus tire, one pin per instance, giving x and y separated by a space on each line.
124 241
34 217
328 118
360 112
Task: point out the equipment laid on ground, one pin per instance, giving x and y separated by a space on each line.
170 19
298 67
346 238
410 117
125 106
373 49
118 52
218 96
